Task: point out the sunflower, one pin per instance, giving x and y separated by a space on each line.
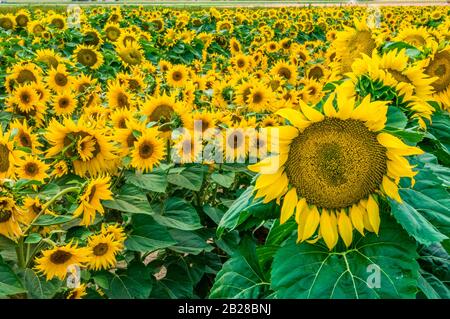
120 117
351 43
64 103
55 262
25 97
25 137
118 96
286 71
25 73
9 218
177 76
235 46
32 168
102 251
92 37
69 138
58 21
333 168
148 151
202 122
416 36
49 57
22 18
163 110
260 98
59 79
36 27
131 53
84 83
60 169
77 293
241 62
32 206
438 66
116 231
88 56
7 21
89 202
112 31
8 156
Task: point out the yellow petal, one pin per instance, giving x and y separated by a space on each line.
391 189
289 203
295 117
301 205
356 215
311 223
373 213
396 169
345 228
396 145
328 107
327 231
345 104
311 114
267 179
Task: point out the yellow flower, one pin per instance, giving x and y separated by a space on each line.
148 151
32 168
102 251
90 201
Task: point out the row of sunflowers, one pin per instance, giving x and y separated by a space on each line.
232 153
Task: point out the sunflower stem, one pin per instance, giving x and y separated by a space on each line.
48 204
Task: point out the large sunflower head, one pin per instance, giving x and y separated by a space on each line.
177 76
148 151
32 168
64 103
88 56
164 110
55 262
131 53
59 79
438 67
102 251
10 216
334 167
25 137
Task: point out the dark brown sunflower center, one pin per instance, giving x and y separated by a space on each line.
101 249
241 63
145 150
285 72
336 163
31 169
112 33
4 158
132 57
61 79
177 76
22 20
258 97
60 257
25 76
131 139
25 139
440 67
63 103
91 38
162 114
87 57
5 215
316 73
25 97
122 100
92 193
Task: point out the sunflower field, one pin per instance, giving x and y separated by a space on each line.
224 153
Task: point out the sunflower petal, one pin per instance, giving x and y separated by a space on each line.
356 215
311 114
345 228
295 117
391 189
311 223
289 203
327 230
373 213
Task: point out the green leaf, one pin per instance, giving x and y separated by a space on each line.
241 209
9 282
33 238
434 281
224 179
312 271
190 178
415 223
155 181
38 287
130 199
214 213
432 287
48 220
178 213
240 277
189 242
147 235
396 118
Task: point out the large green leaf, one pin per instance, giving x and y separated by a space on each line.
178 213
155 181
130 199
133 283
189 242
147 235
190 177
38 287
241 209
312 271
9 282
241 276
435 272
